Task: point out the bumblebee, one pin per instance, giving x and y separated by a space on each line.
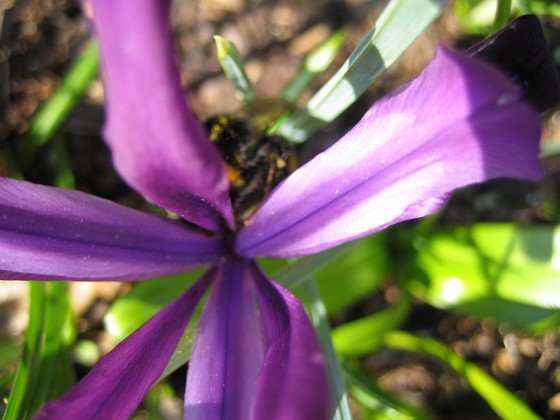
256 161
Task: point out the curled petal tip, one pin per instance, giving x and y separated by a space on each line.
521 50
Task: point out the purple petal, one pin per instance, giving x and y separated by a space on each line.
457 123
292 383
118 382
228 349
158 145
520 49
251 363
51 234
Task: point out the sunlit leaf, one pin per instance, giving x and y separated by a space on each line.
314 64
145 299
364 335
508 272
354 275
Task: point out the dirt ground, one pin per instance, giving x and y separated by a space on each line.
39 40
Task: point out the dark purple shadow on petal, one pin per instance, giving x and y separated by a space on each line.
292 383
228 348
520 50
158 146
119 381
51 234
457 123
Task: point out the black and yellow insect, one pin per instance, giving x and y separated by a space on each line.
256 161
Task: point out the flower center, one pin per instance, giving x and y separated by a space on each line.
256 161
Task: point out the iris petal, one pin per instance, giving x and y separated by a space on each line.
458 123
292 383
228 349
118 382
52 234
256 354
158 145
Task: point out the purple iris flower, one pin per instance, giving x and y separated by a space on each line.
255 354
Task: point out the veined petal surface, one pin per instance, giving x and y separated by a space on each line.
120 380
228 349
256 354
49 233
459 122
292 383
158 146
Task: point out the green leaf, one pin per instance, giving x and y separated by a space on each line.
314 64
54 111
298 270
309 293
30 363
506 404
45 370
10 351
354 275
56 374
364 335
399 25
64 176
145 299
234 68
507 272
503 11
476 16
182 353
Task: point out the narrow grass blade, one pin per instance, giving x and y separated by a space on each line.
399 25
506 404
358 273
297 272
315 63
45 370
30 363
64 176
309 294
365 335
54 111
53 380
234 68
503 11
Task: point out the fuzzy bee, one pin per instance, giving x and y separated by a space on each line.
256 161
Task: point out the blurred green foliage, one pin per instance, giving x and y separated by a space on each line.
478 16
